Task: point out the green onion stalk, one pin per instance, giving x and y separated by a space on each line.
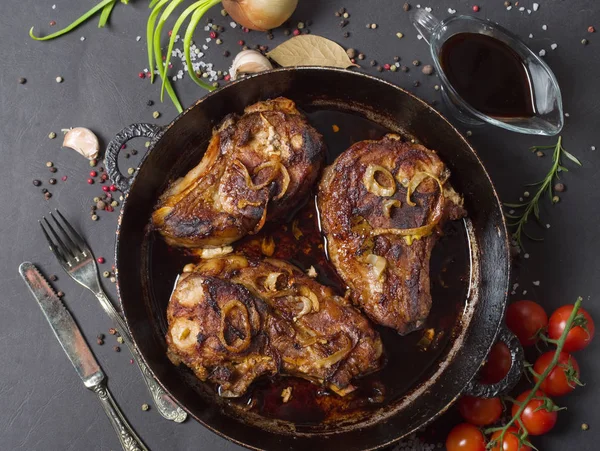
247 12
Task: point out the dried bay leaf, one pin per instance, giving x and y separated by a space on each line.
310 50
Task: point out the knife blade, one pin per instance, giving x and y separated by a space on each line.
63 325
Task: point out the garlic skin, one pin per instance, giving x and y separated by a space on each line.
82 140
260 15
249 62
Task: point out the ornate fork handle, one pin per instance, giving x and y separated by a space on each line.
166 406
128 438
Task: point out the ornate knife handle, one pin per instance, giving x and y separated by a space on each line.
165 405
128 438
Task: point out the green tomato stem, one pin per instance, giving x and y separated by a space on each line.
532 394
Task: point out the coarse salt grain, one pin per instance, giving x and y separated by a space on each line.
567 114
53 6
508 8
530 35
542 52
419 37
522 8
536 6
206 28
553 46
428 9
528 11
536 283
526 255
451 11
547 226
82 38
138 38
593 148
524 292
204 47
544 27
232 24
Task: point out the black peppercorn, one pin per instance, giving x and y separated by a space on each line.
53 169
373 63
149 103
116 349
36 183
52 181
53 278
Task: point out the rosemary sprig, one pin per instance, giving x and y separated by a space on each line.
532 206
572 321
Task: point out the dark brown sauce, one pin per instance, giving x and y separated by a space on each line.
488 74
311 405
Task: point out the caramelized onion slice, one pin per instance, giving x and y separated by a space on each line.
335 357
242 203
307 292
388 204
416 180
378 263
306 306
270 282
239 344
275 164
285 183
373 186
244 170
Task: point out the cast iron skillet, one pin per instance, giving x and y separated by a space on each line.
366 107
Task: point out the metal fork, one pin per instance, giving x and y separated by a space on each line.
77 260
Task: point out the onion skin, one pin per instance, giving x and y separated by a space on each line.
260 15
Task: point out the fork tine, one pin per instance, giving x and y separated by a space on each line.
74 234
66 251
73 245
61 258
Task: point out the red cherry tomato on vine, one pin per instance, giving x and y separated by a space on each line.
465 437
578 338
510 442
537 422
557 383
524 319
480 411
497 365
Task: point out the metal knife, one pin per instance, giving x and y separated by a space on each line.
70 338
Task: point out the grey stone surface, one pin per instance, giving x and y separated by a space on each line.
43 405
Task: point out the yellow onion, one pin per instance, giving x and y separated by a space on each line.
261 15
373 186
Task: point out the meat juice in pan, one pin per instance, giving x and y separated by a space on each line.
300 242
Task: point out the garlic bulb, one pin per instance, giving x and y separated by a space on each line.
83 141
261 15
249 62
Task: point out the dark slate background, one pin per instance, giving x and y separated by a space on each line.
43 404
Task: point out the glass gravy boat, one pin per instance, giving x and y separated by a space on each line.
548 116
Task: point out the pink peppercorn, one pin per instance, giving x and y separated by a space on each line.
142 75
109 208
591 29
386 66
113 188
213 35
123 146
91 181
241 42
246 30
227 77
108 195
93 173
296 32
52 23
475 8
100 260
64 178
104 188
131 361
170 32
104 176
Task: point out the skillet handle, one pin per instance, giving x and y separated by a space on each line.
476 388
111 156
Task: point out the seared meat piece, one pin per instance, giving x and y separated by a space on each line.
232 319
382 204
257 167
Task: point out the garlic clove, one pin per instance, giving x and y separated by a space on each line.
249 62
83 141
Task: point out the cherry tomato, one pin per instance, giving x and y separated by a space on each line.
537 422
578 338
556 383
465 437
524 319
497 365
510 442
480 411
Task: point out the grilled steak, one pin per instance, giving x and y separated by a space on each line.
382 204
232 319
257 167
